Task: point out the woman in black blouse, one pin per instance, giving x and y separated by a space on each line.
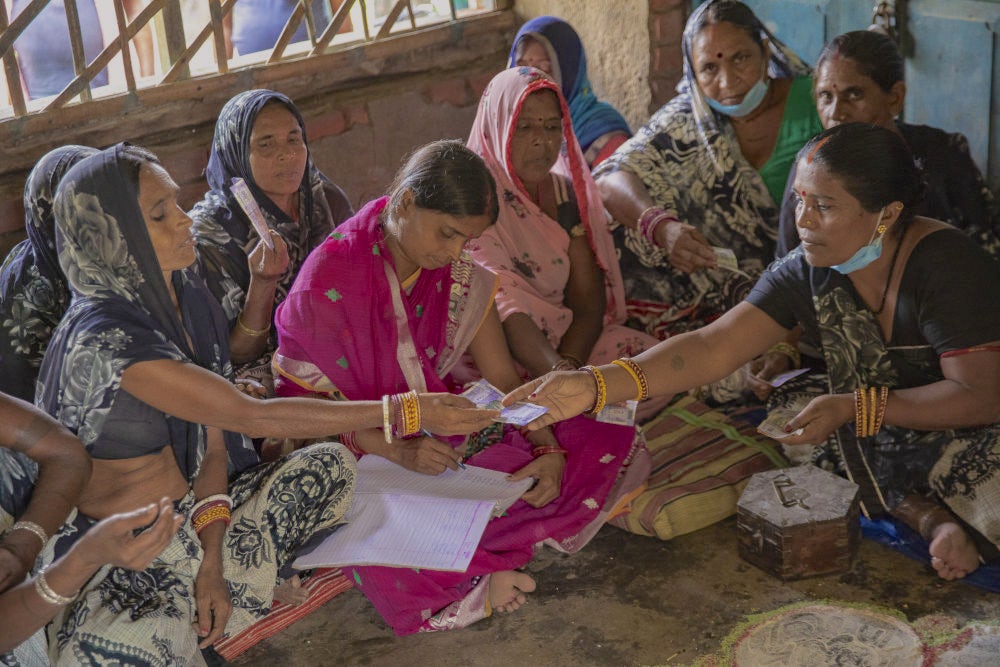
909 321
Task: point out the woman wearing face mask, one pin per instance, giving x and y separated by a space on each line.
859 78
708 170
911 340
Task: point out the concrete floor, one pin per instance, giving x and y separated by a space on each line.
624 600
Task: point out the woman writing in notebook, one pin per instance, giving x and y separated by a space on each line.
390 304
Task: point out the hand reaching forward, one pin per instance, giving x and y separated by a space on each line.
449 414
114 540
565 393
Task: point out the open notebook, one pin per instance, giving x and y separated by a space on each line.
402 518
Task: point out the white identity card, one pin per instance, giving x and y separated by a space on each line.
622 414
241 191
782 378
485 395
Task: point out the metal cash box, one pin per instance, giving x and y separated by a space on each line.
798 522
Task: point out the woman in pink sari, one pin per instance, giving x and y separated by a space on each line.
560 293
389 303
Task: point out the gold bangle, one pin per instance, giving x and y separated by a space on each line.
789 351
31 527
48 595
638 375
602 389
880 413
253 333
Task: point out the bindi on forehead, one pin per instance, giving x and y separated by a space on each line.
719 54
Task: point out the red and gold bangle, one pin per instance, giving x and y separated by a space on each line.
350 440
209 516
859 413
880 412
872 409
542 450
638 375
601 387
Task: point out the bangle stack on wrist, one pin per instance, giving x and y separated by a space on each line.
211 509
649 220
789 351
31 527
253 333
638 375
48 595
869 410
542 450
601 387
400 415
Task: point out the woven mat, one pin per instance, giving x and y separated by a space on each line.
323 586
702 459
816 634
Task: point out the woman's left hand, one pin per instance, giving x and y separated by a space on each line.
820 418
548 470
269 265
762 369
214 605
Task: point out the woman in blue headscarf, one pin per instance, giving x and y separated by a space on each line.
260 136
550 44
33 290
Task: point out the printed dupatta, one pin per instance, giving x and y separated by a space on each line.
33 290
591 118
225 235
524 237
348 329
122 312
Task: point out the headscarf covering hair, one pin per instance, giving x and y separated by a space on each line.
591 117
33 290
782 63
225 235
521 224
122 312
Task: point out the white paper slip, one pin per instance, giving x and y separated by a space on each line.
622 414
485 395
401 518
726 259
782 378
774 425
241 191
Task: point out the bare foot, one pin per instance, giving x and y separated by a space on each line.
507 590
953 554
290 591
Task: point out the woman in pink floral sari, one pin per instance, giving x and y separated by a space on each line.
560 293
390 302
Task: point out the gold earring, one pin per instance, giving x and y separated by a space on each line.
880 230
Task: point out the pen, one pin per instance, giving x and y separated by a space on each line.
431 435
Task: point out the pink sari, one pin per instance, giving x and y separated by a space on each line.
348 330
528 250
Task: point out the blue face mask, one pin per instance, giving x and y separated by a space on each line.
750 101
866 254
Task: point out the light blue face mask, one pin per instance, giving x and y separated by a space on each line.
750 101
866 254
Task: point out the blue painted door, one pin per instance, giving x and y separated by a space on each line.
952 64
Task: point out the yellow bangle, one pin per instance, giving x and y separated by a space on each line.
638 375
253 333
789 351
602 389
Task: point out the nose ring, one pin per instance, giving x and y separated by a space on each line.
807 224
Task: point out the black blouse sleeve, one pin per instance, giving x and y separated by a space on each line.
951 289
783 291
